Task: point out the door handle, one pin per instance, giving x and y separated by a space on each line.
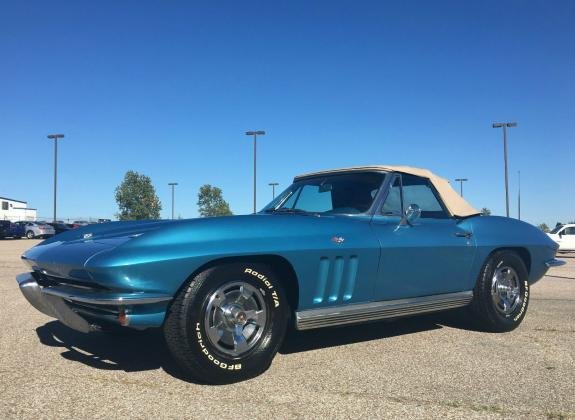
463 234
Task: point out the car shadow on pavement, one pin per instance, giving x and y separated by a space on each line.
134 351
130 351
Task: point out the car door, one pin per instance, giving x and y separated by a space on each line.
335 255
432 255
567 239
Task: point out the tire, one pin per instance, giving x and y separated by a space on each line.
30 234
227 323
501 294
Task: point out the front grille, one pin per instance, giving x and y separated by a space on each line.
46 280
94 310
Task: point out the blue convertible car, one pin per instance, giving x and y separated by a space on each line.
336 247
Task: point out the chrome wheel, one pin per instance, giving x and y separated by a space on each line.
505 290
235 318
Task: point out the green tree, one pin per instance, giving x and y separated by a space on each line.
211 202
544 227
485 211
136 198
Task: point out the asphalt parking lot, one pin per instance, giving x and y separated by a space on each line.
420 367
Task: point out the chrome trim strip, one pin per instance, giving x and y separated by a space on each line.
94 299
351 314
554 262
31 288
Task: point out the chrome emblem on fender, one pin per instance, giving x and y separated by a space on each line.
338 239
87 235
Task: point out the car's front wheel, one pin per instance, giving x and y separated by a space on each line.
227 323
501 294
30 234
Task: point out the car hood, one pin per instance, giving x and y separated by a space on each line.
91 245
70 250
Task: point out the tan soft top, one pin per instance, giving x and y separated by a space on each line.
455 204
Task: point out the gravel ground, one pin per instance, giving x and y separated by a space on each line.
422 367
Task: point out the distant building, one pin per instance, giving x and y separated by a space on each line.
15 210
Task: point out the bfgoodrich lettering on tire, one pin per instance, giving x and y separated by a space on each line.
227 323
501 295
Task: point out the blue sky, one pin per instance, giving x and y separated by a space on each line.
168 89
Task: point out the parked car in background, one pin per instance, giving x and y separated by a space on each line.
337 247
104 220
5 228
37 229
79 223
564 235
10 230
60 227
18 231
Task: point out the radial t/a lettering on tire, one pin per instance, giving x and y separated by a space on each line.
228 322
501 294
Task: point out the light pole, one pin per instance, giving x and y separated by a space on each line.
519 197
461 181
505 125
255 134
273 185
55 137
172 184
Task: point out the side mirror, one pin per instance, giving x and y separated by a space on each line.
412 213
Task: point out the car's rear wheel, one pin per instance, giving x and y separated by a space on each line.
30 234
227 323
501 294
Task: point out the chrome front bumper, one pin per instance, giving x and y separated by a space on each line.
50 305
554 263
52 301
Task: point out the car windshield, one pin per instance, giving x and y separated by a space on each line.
349 193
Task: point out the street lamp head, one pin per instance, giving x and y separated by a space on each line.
172 183
255 133
55 136
506 124
273 183
461 179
